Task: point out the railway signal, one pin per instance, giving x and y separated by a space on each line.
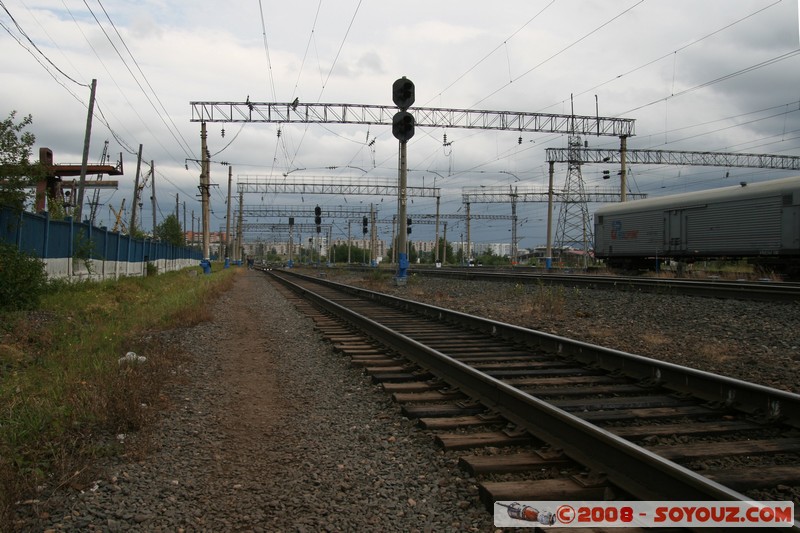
365 225
403 129
403 93
403 126
318 218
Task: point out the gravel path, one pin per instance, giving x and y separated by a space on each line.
269 430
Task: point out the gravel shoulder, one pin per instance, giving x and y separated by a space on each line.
269 430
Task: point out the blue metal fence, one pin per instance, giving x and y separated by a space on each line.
52 239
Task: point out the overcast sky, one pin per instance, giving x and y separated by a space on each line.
707 75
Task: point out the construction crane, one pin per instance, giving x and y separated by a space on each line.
96 192
119 224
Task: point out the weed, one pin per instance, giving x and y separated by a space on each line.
64 395
550 300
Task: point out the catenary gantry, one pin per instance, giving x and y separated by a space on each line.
329 185
317 113
296 112
674 157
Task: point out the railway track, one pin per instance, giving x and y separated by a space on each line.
542 417
765 290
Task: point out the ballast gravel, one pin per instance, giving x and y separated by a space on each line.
270 430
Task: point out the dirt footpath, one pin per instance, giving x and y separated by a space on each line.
267 429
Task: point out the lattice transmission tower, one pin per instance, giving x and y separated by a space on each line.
574 226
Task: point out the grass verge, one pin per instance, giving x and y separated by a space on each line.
65 395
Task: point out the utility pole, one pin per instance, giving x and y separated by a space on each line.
436 239
623 183
228 221
469 246
153 198
513 227
132 226
85 161
239 241
373 236
548 256
290 264
205 191
444 245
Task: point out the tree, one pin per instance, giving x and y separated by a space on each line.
357 255
170 231
412 253
16 171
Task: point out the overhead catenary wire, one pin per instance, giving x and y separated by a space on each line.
36 47
179 137
138 83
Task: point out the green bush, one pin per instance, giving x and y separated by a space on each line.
22 279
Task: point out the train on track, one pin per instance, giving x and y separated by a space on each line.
759 222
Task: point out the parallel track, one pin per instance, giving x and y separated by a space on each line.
548 404
713 288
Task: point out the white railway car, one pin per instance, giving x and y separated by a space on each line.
752 220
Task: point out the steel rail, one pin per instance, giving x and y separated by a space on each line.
744 290
632 468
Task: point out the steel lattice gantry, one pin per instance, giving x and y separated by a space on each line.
515 194
434 219
502 195
295 112
432 117
302 211
677 157
329 185
315 242
251 227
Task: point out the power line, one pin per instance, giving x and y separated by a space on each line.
553 56
138 83
726 77
679 49
24 34
155 94
487 56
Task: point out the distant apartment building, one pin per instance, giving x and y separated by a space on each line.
318 244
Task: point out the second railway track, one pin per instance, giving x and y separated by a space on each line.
545 416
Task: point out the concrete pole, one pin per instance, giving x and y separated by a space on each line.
239 232
291 231
444 245
514 227
228 220
469 247
132 225
402 237
396 239
373 236
623 178
85 162
205 193
153 198
549 251
436 239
